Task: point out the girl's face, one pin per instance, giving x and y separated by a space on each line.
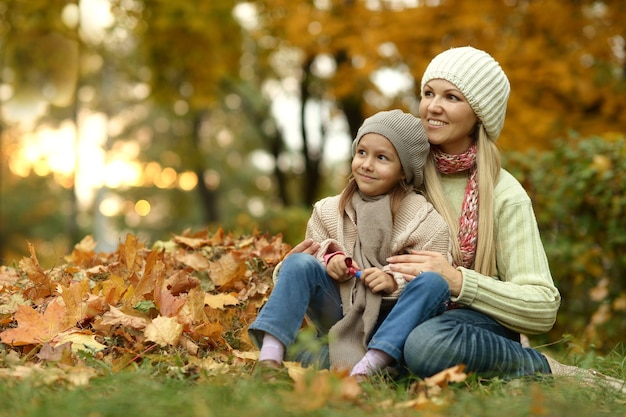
376 165
447 117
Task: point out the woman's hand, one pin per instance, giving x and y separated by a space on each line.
379 281
307 246
412 264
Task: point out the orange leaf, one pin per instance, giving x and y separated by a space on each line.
34 328
452 374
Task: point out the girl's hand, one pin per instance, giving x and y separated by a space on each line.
379 281
337 268
413 264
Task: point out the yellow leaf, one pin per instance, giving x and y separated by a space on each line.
220 300
164 331
80 341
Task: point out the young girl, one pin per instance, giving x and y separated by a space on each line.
377 215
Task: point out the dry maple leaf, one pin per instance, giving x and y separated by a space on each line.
34 328
193 260
315 389
43 284
80 341
430 388
130 252
8 277
181 282
83 253
164 331
192 242
227 270
115 317
220 301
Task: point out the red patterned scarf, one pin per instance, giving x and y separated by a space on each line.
468 223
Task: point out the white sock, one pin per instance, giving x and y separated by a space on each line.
373 361
272 349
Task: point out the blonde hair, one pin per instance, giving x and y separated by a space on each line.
488 165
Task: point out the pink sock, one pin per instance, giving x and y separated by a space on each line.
272 349
373 361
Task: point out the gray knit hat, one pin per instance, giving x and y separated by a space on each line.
481 80
407 135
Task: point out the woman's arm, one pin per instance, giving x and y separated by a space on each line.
523 296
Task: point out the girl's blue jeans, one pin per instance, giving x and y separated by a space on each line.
418 331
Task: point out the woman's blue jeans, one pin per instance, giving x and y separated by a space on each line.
465 336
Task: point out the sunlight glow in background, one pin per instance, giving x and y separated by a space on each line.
81 157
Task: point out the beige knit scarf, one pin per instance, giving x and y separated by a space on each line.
348 337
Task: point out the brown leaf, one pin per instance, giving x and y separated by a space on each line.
8 277
191 242
192 312
48 352
226 271
193 260
115 317
180 282
43 285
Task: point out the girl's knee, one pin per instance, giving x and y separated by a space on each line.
299 260
430 282
301 267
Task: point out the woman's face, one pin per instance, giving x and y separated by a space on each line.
447 117
376 166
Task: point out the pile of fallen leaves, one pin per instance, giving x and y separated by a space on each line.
196 293
193 296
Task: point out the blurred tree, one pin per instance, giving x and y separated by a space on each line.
32 78
565 59
192 49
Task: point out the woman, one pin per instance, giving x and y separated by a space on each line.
500 281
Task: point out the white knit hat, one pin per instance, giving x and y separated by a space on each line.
406 134
481 80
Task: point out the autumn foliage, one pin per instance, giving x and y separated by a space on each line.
195 293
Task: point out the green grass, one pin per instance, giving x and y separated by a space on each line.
157 389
